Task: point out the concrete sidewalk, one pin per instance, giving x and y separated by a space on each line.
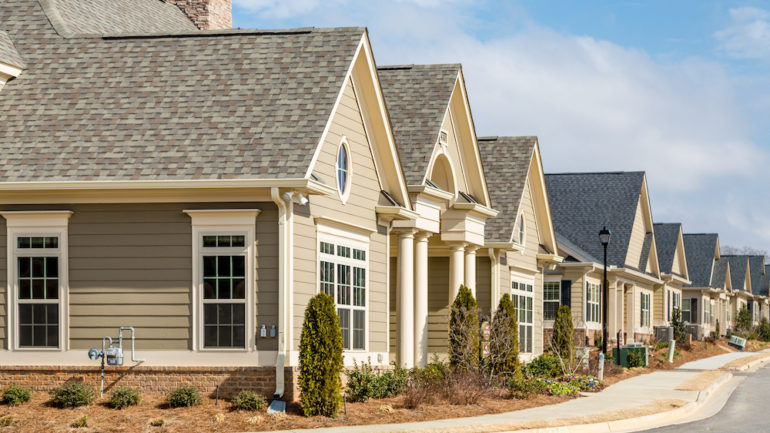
642 401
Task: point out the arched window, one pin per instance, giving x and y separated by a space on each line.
343 170
520 231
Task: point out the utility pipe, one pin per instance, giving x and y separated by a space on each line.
280 361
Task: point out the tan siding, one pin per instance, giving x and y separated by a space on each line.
527 259
3 284
659 300
636 242
378 307
537 331
438 302
453 148
305 269
484 284
577 298
675 267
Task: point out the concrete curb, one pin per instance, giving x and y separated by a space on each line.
750 365
638 423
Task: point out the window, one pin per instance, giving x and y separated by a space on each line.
520 230
644 317
37 276
224 266
686 311
593 302
343 169
342 275
522 302
551 299
675 302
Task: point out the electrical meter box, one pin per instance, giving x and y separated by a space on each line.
114 356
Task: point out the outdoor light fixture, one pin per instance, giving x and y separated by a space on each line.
604 238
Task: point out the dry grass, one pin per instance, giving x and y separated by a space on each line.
701 381
742 362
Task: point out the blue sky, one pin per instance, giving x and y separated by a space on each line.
679 89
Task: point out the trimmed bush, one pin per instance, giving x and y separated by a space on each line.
680 330
563 339
16 395
72 394
743 322
504 340
123 397
320 358
523 388
635 358
184 396
464 332
81 422
545 365
365 383
248 400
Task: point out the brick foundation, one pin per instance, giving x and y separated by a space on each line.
155 381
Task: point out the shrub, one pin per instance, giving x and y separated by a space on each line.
545 365
465 387
563 339
752 336
424 385
81 422
7 421
556 387
660 345
72 394
184 396
718 331
635 358
583 383
504 340
123 397
320 358
157 422
365 383
743 322
680 330
16 395
464 332
764 329
523 388
598 339
248 400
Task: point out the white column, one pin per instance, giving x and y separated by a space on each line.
421 299
406 299
470 268
456 268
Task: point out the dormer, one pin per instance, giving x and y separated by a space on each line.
11 64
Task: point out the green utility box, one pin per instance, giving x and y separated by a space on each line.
625 350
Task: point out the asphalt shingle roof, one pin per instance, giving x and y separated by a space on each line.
756 271
666 237
583 203
764 285
117 16
417 97
700 249
8 53
506 163
737 270
719 279
208 105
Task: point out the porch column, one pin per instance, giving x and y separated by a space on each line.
456 268
406 299
470 268
421 299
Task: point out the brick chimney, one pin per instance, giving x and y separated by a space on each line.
207 14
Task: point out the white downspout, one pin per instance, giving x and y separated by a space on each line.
495 281
283 247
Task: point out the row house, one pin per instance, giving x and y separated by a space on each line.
708 299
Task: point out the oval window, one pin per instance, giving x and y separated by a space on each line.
521 230
343 169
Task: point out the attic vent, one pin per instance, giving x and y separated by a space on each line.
468 197
443 138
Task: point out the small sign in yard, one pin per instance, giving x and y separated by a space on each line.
737 342
485 349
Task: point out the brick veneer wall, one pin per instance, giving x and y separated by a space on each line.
207 14
155 381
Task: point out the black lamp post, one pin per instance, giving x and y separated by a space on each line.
604 238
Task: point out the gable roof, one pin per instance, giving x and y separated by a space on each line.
666 239
8 53
506 166
243 104
757 271
720 274
116 16
701 249
738 266
583 203
417 98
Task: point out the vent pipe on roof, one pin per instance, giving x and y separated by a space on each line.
207 14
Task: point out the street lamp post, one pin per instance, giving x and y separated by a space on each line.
604 238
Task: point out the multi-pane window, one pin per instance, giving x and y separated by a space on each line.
523 297
224 291
686 310
644 316
593 302
551 299
37 280
342 275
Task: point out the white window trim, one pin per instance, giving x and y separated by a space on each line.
339 236
344 195
224 222
41 223
585 301
520 240
527 280
646 327
547 323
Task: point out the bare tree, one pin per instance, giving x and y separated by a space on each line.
744 251
573 355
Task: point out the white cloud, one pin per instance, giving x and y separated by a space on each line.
748 34
594 104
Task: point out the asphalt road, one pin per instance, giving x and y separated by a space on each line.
747 410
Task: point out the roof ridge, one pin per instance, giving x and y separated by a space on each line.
498 137
419 65
595 172
224 32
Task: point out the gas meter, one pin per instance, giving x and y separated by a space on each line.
114 356
112 351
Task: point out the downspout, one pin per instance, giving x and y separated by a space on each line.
283 246
495 280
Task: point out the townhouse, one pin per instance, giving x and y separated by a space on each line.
740 279
669 240
708 299
581 205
